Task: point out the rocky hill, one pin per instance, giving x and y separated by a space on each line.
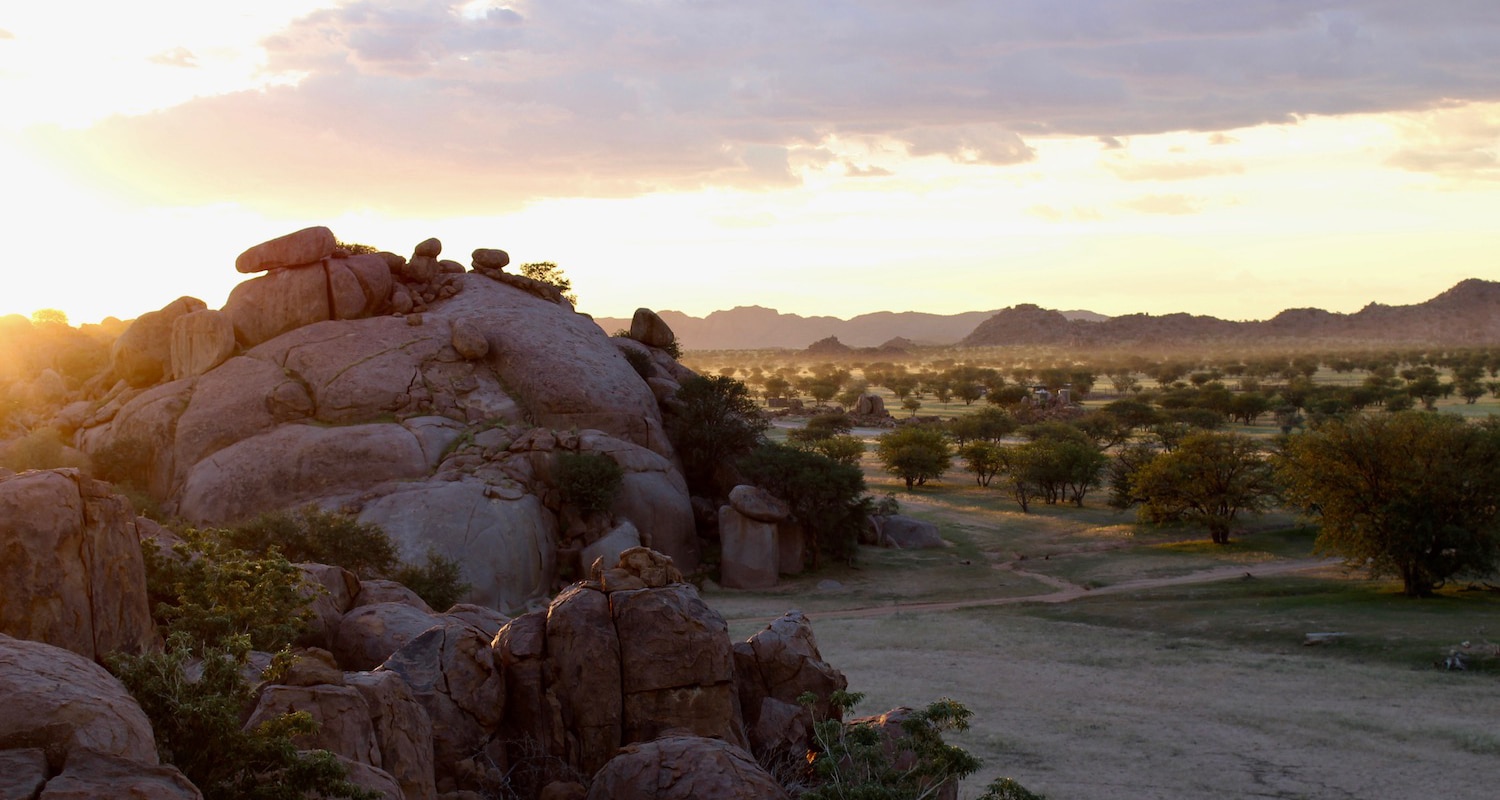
755 327
1467 314
438 403
421 396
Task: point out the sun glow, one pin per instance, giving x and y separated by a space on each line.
1333 211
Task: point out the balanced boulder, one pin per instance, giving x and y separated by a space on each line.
307 246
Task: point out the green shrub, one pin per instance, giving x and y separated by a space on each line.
589 482
640 361
197 726
210 592
843 448
716 421
826 497
323 537
854 762
42 448
438 580
125 462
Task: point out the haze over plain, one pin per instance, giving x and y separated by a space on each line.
832 158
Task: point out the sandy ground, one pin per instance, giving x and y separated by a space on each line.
1076 711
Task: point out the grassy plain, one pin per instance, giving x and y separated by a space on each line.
1106 659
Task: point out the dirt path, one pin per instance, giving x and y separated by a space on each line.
1068 591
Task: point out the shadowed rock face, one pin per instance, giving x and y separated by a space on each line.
70 565
683 767
62 703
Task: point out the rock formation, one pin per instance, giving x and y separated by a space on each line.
72 567
426 400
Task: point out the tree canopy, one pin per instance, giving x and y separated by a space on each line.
1210 478
715 421
915 453
1410 494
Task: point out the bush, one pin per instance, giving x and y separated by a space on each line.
438 580
842 448
313 535
214 603
197 726
716 421
210 593
589 482
855 761
42 448
826 497
639 360
124 462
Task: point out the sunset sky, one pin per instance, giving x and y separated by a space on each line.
839 157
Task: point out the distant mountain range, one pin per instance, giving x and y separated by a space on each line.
1467 314
755 327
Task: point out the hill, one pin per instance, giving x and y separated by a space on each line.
1467 314
755 327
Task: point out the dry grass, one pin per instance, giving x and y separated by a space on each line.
1180 691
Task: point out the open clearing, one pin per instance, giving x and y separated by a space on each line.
1105 661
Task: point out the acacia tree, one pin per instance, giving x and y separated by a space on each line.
1410 494
915 453
1209 478
984 459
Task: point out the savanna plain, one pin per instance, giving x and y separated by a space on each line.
1107 658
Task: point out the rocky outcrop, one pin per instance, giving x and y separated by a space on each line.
435 425
62 703
343 718
749 556
758 539
451 671
72 567
870 405
773 669
606 666
403 731
142 355
88 775
369 635
684 767
201 340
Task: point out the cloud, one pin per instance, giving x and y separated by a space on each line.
1172 170
969 144
424 105
1169 204
176 57
5 34
1222 139
854 170
1456 143
1111 143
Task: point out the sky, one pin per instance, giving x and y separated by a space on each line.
835 158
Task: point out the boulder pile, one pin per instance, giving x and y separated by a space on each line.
404 390
626 680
